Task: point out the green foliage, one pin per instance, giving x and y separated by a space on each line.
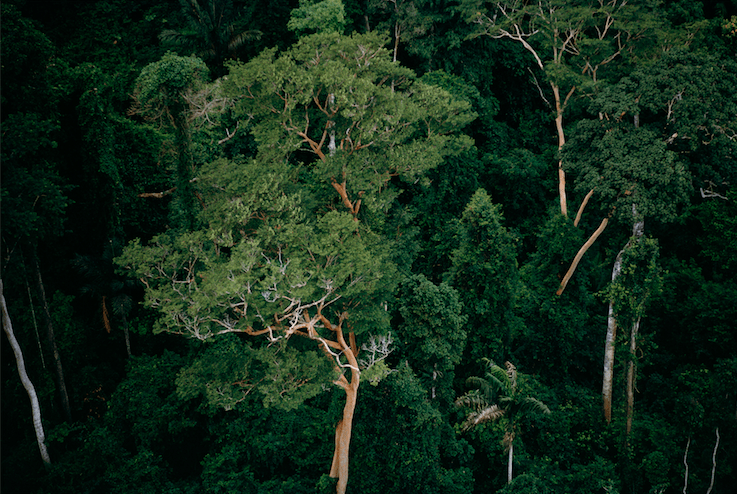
484 271
628 167
213 29
639 279
161 85
318 16
229 370
340 104
401 443
326 177
431 332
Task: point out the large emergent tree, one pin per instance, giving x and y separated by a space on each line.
292 242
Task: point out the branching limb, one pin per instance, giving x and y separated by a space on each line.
581 208
580 254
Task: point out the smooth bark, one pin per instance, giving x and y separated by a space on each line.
27 384
611 335
582 207
638 229
344 428
580 254
713 463
510 461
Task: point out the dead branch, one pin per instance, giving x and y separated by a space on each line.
157 195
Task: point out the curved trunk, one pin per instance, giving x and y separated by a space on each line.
339 468
27 384
344 428
560 107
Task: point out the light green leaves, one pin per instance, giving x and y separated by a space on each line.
318 16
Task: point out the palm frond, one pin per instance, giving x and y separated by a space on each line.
473 400
533 405
238 40
488 414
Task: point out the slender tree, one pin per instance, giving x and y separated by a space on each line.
497 396
27 384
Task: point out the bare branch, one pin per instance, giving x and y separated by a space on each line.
580 254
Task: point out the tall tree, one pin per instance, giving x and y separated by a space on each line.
570 45
640 167
163 93
294 249
484 271
496 396
34 195
431 333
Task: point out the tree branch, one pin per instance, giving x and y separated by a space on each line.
580 254
581 208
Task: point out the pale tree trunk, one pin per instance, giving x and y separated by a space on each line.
638 229
51 340
611 335
631 376
559 108
579 255
27 384
510 461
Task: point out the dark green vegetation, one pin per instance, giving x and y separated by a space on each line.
248 245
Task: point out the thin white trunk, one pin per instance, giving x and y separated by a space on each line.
510 461
638 229
631 376
685 463
27 384
713 463
611 335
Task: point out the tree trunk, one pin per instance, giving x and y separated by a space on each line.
509 463
559 107
611 335
27 384
127 336
339 468
638 229
51 340
631 376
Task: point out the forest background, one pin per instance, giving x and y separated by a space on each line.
513 223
